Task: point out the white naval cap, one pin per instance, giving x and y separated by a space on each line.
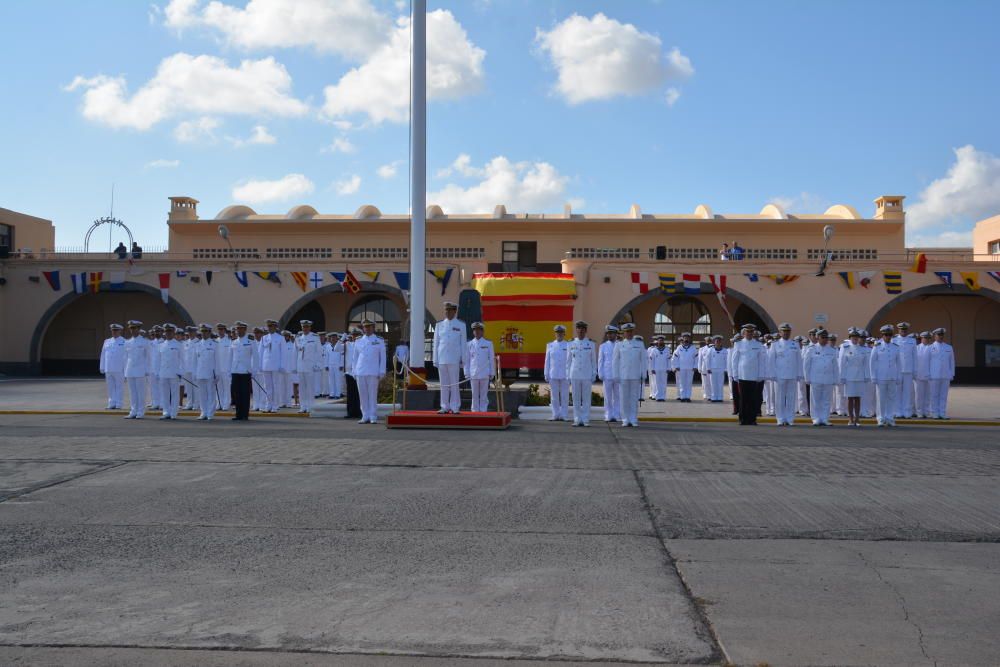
116 327
478 325
628 326
925 334
559 328
887 329
305 322
449 304
903 325
940 331
134 323
611 328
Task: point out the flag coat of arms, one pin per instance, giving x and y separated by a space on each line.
893 282
641 282
692 283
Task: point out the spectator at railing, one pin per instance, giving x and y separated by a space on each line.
737 253
121 251
136 250
724 253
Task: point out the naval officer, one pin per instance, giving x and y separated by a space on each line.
369 369
581 369
480 367
606 369
112 366
885 368
556 357
138 358
448 350
630 367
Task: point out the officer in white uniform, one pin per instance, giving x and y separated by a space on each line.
785 367
152 369
206 355
581 368
369 368
272 347
223 366
821 373
449 348
556 359
855 373
337 366
289 376
706 380
651 378
907 365
112 366
659 368
748 368
480 367
684 360
138 353
188 348
630 367
332 386
716 364
922 375
170 367
606 369
941 368
885 373
309 355
243 368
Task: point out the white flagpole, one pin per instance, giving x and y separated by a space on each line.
418 183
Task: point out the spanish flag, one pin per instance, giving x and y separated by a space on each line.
524 286
971 279
919 263
848 278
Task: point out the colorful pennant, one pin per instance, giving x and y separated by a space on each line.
719 285
995 275
971 280
79 282
402 279
241 277
641 282
350 283
443 276
116 279
668 283
300 278
848 278
919 263
781 279
270 276
165 287
94 281
52 278
893 282
315 279
865 278
372 275
752 277
945 277
692 283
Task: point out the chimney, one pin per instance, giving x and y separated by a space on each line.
183 209
890 207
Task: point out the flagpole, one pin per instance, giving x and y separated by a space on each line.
418 182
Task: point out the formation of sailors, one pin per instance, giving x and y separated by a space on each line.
206 369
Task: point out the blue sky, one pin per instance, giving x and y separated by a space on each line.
667 104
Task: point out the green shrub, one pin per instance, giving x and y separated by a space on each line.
535 397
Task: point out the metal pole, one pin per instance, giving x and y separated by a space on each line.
418 183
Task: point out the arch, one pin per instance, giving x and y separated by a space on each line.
369 289
929 290
843 211
774 211
368 212
750 303
235 212
302 212
693 321
52 311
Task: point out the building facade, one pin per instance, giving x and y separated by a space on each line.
287 267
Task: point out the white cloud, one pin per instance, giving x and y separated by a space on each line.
520 186
942 240
350 28
947 208
804 202
599 58
287 187
343 125
340 145
390 170
672 96
163 164
348 186
462 165
186 84
258 136
197 130
379 88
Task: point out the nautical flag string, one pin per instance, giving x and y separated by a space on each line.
692 283
443 276
117 280
971 280
95 281
241 277
668 283
79 282
300 278
350 283
893 282
641 282
752 277
165 287
52 278
919 263
848 278
315 279
945 277
402 279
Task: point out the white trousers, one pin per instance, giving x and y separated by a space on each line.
653 384
190 393
272 386
923 397
137 396
885 405
716 383
307 389
368 393
559 391
785 394
207 397
223 382
581 400
612 400
630 392
905 399
116 388
170 396
480 394
153 383
317 383
820 396
868 400
451 395
284 389
658 385
769 397
684 377
707 382
938 397
334 382
803 406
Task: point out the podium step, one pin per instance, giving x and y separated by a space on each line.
463 420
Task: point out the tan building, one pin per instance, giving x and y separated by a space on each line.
614 258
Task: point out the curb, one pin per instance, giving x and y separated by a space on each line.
839 421
155 413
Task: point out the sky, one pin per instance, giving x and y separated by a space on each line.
533 104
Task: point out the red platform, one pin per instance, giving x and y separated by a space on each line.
431 419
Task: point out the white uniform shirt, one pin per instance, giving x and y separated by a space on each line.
785 360
659 360
288 356
171 359
154 357
941 361
402 353
581 361
137 357
369 356
922 368
556 356
479 364
630 359
223 355
749 360
449 342
854 363
113 355
717 361
884 365
684 358
337 358
244 357
820 365
606 360
907 352
206 355
187 354
309 353
271 349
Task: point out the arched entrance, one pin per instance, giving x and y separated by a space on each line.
971 318
682 314
68 337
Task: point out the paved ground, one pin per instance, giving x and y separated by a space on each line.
965 402
320 542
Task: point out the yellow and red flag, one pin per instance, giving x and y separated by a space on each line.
94 282
919 263
301 279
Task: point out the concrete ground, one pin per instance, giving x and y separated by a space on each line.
328 543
